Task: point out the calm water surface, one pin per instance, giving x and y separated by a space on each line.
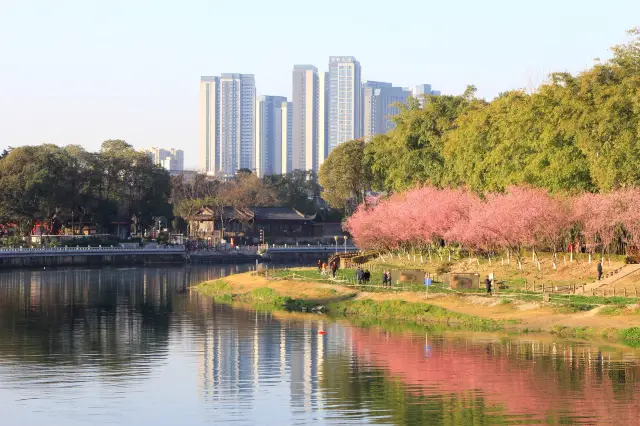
135 347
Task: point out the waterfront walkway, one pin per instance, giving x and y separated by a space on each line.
20 252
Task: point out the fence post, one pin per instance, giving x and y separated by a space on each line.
543 287
614 291
625 292
636 291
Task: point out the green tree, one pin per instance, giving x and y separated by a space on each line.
412 153
298 189
344 176
52 185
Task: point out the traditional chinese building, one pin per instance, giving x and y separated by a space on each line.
274 225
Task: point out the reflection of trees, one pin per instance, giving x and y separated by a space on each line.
359 387
114 318
109 317
546 380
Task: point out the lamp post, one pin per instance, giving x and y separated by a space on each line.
336 239
345 244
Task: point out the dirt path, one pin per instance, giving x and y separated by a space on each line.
533 316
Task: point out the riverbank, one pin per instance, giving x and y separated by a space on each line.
616 323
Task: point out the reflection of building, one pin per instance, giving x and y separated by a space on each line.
243 351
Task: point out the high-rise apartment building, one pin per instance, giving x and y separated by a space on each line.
209 122
305 103
379 106
344 100
419 91
287 140
269 129
323 119
227 128
170 159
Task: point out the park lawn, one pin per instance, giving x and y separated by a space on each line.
567 272
566 317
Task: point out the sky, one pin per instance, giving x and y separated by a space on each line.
84 71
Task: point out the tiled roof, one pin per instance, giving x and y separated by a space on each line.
260 213
280 213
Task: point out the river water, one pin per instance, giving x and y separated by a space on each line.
136 347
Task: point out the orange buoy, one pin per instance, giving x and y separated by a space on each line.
322 332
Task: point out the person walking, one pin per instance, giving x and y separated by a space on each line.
359 274
324 270
487 282
599 269
384 279
334 268
319 266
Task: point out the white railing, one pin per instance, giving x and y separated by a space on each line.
100 249
308 247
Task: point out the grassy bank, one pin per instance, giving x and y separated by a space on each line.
304 290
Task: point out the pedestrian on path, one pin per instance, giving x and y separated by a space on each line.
487 281
599 269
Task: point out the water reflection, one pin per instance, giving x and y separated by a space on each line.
128 346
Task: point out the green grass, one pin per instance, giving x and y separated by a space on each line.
418 313
618 310
266 296
219 290
572 332
630 336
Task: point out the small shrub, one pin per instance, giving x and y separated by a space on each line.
630 336
220 290
267 296
612 310
444 268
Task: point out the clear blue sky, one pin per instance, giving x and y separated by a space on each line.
82 71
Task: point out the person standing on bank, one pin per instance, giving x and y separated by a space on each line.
487 281
599 268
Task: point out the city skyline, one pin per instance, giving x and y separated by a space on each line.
278 135
170 159
130 75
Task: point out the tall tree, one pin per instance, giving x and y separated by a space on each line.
344 176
